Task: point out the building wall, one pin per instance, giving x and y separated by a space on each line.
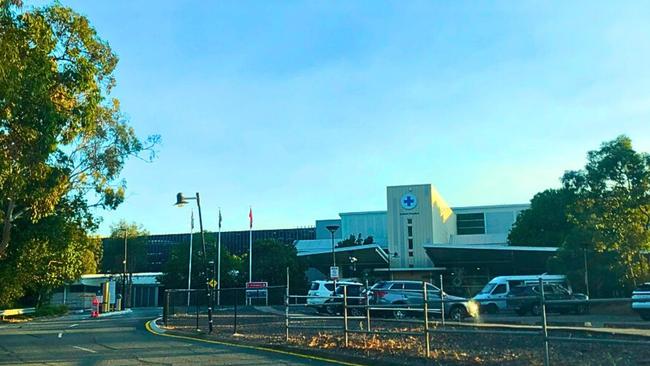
365 223
497 220
430 218
323 233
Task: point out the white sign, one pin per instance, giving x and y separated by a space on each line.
334 273
409 201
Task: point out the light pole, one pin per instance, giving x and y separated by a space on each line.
181 201
124 270
332 229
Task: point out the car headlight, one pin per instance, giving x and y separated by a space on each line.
472 308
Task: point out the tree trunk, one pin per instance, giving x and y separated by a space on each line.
6 229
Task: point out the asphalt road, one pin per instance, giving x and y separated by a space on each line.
119 340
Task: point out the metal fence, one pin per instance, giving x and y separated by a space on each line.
286 316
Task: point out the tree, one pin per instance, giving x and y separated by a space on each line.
46 255
61 136
175 271
136 244
270 261
612 210
546 222
601 216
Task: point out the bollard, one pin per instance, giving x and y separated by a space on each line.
345 314
544 328
196 303
427 348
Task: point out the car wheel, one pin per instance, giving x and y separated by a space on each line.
330 309
536 309
491 309
457 313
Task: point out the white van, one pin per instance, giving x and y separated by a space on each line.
321 290
492 298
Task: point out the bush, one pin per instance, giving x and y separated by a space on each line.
51 310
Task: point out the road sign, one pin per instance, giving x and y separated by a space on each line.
257 290
334 273
212 283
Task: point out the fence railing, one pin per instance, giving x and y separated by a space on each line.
12 312
429 312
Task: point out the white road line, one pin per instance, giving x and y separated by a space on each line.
73 325
84 349
60 335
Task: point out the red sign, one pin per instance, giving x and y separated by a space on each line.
95 301
257 284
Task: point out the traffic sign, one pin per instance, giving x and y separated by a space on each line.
334 273
257 285
212 283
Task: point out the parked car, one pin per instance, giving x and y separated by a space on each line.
321 290
526 299
641 301
405 295
492 298
356 296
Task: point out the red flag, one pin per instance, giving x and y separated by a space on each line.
250 216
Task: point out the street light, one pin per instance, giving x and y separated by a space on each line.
124 271
332 229
180 202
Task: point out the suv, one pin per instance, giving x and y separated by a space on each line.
641 301
526 299
356 296
407 294
321 291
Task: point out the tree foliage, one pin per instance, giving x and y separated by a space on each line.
546 222
603 212
63 143
62 136
136 244
270 261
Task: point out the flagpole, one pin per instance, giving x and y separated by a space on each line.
250 247
189 274
219 262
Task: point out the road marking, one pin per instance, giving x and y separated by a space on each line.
84 349
73 325
60 335
147 325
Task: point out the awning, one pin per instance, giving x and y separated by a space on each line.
359 256
499 258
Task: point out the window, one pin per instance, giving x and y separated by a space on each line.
397 286
411 266
409 221
473 223
433 288
501 289
410 231
410 243
410 253
329 286
413 286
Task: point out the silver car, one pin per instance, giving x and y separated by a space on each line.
408 298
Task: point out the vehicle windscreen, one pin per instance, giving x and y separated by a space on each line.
488 288
314 286
329 286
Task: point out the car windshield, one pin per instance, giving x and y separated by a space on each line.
314 286
380 285
488 288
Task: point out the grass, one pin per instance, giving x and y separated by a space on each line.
51 310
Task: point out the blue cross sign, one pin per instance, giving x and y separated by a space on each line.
409 201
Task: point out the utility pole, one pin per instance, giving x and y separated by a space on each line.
124 269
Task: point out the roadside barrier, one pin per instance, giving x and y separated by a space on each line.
13 312
289 316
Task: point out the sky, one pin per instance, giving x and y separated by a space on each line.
304 109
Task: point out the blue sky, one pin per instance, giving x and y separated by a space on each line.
307 109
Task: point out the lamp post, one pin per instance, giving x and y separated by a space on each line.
332 229
124 270
181 201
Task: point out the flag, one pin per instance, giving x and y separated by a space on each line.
220 219
250 216
192 220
